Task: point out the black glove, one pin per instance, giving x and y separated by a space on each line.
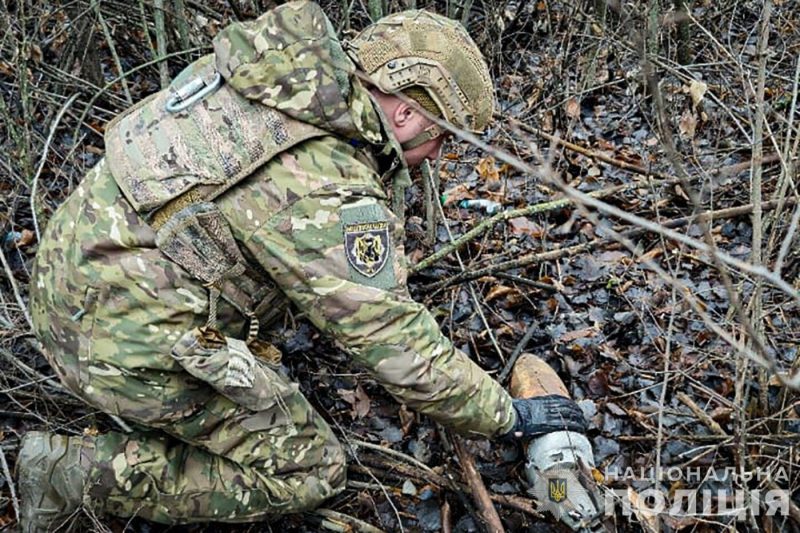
546 414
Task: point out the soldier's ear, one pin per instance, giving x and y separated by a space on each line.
403 114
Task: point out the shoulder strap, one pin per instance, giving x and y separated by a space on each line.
157 156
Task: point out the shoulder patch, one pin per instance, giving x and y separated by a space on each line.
368 245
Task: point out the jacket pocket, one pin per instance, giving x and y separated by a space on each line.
230 367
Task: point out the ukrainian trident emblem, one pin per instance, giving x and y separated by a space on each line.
557 489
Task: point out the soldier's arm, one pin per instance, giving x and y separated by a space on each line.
327 252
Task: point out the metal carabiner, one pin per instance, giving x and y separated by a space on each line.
194 91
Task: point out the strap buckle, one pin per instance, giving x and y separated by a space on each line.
194 91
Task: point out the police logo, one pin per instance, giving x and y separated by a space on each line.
367 246
557 490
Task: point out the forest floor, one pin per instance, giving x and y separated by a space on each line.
644 158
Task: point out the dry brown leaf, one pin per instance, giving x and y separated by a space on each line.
456 194
358 400
36 53
598 383
498 291
416 256
487 169
647 517
687 124
579 334
406 419
524 226
573 108
680 192
697 90
778 379
651 255
28 237
612 256
506 330
547 121
604 145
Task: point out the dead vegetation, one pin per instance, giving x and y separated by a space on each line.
644 160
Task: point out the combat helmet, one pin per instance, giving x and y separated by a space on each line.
431 59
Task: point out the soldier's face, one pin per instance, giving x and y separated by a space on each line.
407 123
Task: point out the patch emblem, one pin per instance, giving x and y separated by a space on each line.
557 490
367 246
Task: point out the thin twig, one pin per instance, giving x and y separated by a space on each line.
404 471
489 223
161 41
5 318
755 193
112 48
532 328
559 253
43 160
394 453
531 283
479 493
336 521
34 343
9 482
718 258
431 196
587 201
180 19
447 518
764 359
790 149
554 205
710 423
472 292
597 156
701 415
146 30
15 288
357 459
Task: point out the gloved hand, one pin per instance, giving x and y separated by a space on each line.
546 414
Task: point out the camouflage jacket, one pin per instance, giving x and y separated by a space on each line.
315 218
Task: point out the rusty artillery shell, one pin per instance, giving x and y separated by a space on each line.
533 377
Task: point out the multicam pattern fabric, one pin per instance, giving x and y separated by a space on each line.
222 435
422 53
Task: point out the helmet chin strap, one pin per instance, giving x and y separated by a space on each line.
431 132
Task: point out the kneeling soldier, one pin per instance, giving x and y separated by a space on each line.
259 176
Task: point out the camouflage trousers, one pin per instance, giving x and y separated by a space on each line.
258 450
255 448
